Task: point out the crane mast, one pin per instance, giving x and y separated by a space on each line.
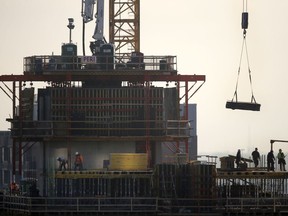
124 27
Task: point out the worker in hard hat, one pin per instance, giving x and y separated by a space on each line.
78 164
14 188
256 157
281 160
270 161
62 163
238 158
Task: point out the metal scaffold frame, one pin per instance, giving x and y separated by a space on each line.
67 78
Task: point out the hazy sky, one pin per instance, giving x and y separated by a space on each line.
205 35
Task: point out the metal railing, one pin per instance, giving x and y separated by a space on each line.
79 204
40 64
270 204
171 206
174 128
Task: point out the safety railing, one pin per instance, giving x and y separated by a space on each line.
172 128
40 64
79 204
168 206
268 204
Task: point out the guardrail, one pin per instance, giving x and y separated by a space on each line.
168 206
177 128
40 64
67 204
270 204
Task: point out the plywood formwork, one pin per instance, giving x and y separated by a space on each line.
106 184
107 111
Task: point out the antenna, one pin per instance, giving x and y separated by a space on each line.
70 26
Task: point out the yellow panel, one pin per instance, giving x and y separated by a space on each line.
128 161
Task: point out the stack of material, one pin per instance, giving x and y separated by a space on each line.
227 163
128 161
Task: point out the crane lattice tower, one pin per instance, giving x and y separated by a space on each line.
124 26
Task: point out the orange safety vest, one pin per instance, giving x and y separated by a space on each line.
79 159
13 186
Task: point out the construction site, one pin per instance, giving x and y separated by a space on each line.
128 115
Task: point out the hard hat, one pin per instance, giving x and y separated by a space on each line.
77 153
58 158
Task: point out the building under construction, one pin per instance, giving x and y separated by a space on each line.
133 132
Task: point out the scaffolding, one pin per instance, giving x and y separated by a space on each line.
87 101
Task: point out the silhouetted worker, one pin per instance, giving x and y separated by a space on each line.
256 157
78 164
33 190
238 158
62 163
281 160
14 188
270 161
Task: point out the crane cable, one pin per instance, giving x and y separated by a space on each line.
244 44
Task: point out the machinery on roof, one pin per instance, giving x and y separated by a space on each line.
88 14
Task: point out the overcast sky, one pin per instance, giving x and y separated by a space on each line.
205 35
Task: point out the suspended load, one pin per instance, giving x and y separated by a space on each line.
234 103
252 106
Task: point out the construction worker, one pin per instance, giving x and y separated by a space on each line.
238 158
62 163
270 161
78 164
256 157
281 160
14 188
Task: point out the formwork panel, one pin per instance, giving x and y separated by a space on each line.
104 185
104 101
204 177
110 111
27 100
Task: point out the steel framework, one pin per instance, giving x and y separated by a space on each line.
124 26
21 128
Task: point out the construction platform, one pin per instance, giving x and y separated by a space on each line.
168 189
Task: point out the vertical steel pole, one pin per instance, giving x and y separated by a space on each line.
44 169
186 114
147 118
14 126
21 129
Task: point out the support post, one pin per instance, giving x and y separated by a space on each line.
13 127
186 116
20 130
